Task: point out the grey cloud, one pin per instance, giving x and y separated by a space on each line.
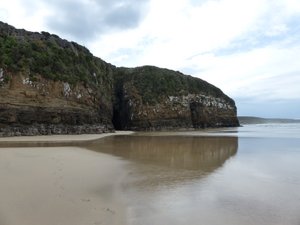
73 19
86 19
259 38
123 17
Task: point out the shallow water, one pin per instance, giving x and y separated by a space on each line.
238 176
243 176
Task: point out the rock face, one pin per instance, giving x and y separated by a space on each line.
50 107
52 86
151 98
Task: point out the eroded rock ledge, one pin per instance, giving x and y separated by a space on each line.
151 98
45 107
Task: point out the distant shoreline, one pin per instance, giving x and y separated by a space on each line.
261 120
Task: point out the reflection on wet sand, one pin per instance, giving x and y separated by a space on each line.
152 173
164 170
159 162
155 178
177 152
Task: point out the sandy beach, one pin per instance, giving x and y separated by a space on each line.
153 178
61 138
60 185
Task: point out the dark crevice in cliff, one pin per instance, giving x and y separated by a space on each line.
116 120
120 110
119 120
196 110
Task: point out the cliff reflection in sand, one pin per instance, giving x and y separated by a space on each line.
164 162
177 152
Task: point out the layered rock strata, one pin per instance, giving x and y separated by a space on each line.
49 85
46 107
151 98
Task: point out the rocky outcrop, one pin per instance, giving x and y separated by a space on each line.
52 86
29 120
151 98
50 107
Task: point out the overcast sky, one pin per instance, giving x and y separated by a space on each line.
249 49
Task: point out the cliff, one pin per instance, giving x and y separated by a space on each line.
151 98
52 86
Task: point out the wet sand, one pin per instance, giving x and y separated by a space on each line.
61 138
243 176
60 185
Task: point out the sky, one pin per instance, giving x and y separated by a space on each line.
249 49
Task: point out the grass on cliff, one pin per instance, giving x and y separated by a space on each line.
33 57
46 55
153 84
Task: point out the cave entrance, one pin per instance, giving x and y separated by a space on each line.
117 122
121 112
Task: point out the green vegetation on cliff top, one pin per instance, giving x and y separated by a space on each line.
153 83
47 55
43 54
